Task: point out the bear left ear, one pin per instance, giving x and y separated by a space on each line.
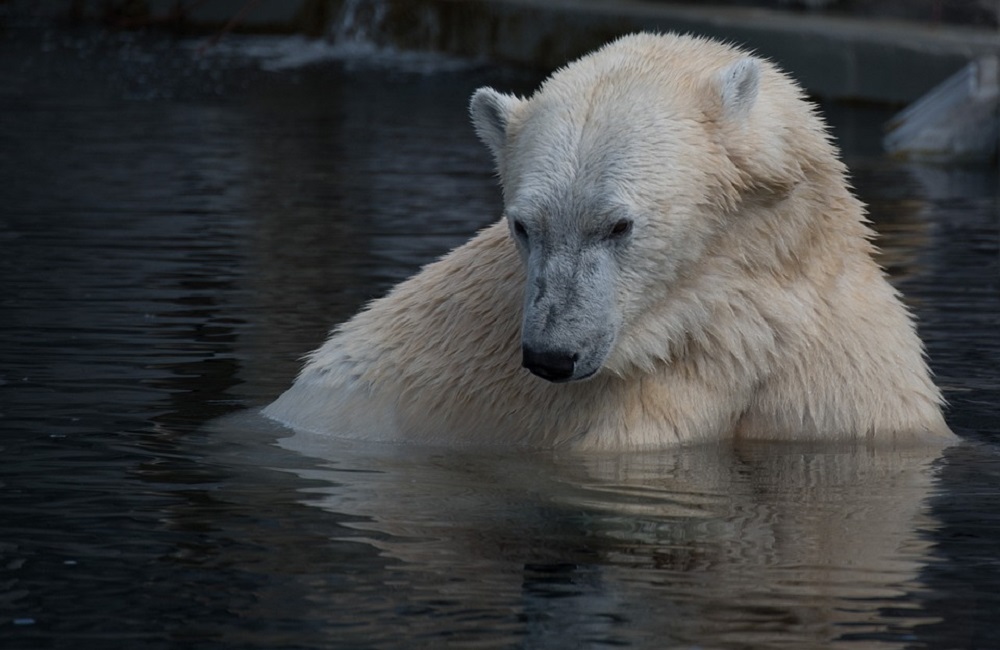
739 84
491 113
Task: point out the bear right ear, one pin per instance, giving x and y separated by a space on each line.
491 113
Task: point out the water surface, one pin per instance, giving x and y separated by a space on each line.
178 230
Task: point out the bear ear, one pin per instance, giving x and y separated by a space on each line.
491 113
739 84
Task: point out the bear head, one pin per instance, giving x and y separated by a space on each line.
619 171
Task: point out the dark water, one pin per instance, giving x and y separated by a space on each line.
176 231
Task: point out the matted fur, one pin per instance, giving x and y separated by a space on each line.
744 302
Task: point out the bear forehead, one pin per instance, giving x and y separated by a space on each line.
643 64
636 122
639 94
609 94
625 153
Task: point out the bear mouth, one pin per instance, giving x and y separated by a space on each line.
564 380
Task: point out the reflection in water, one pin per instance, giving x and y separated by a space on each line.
176 232
760 545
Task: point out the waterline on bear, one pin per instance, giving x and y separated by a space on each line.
680 260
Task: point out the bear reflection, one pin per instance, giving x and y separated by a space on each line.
760 544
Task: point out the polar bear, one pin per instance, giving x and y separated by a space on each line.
679 260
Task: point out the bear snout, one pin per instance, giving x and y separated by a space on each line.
552 365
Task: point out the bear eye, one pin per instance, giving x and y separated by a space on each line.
519 229
621 228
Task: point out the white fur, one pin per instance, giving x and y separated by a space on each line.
742 301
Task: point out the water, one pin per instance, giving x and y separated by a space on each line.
176 231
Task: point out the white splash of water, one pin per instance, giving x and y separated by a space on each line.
359 25
356 38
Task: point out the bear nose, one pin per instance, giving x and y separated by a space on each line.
553 365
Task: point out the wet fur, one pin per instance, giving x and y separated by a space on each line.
747 304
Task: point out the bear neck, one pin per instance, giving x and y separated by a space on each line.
775 265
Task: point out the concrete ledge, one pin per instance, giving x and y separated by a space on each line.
832 57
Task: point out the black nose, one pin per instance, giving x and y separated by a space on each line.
554 365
